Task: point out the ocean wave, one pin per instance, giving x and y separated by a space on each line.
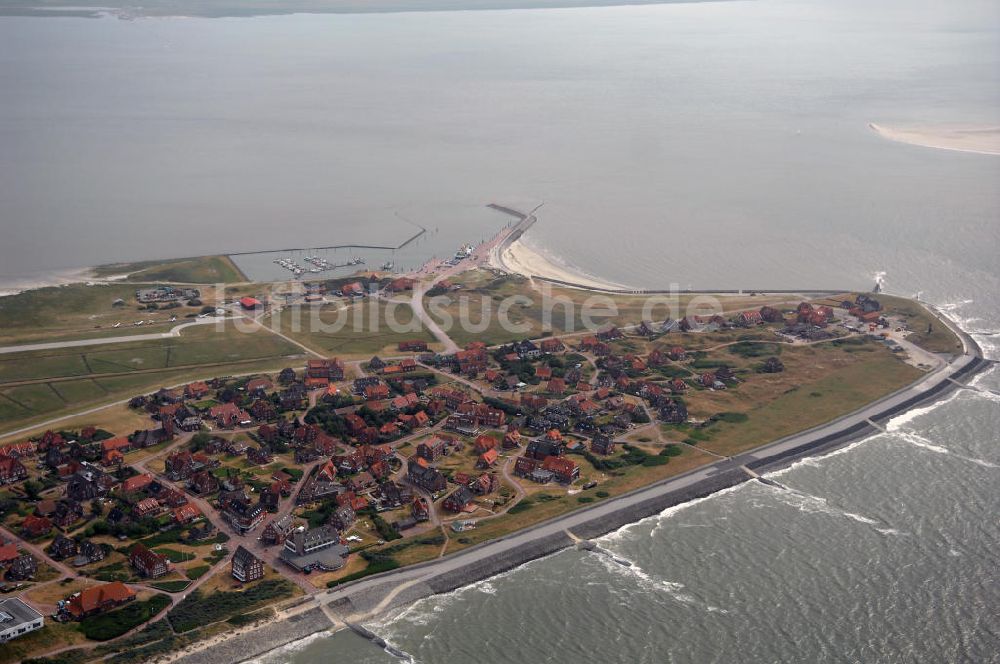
652 583
422 612
924 443
282 654
896 423
816 461
810 504
663 518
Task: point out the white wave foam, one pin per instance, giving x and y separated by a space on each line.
661 519
422 612
816 461
924 443
652 583
806 502
282 653
897 422
951 306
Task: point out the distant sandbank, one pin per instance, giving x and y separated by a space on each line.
977 139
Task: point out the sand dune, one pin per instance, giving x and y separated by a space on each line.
978 139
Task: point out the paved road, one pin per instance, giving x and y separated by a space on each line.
100 341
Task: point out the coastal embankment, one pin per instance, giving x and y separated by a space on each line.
372 596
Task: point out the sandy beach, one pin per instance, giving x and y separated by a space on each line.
518 257
15 285
977 139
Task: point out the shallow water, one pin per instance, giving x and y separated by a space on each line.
712 145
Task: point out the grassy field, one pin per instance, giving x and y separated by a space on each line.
70 378
481 302
359 330
78 311
197 270
819 384
52 635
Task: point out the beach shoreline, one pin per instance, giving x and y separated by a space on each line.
971 139
15 285
516 256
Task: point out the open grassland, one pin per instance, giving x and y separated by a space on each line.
42 384
79 311
499 310
357 330
819 383
197 270
53 635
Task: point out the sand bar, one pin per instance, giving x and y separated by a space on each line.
977 139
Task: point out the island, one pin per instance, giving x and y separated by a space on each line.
202 473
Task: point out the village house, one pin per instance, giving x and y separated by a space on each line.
602 444
343 517
98 599
460 500
12 470
89 552
419 509
423 476
551 345
277 530
146 563
34 527
331 369
487 459
245 566
145 508
413 346
22 568
525 465
565 471
482 414
673 411
550 445
377 391
243 515
196 390
185 514
484 484
62 547
229 415
511 440
203 483
8 553
136 483
750 319
431 449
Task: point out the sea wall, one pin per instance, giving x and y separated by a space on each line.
269 636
